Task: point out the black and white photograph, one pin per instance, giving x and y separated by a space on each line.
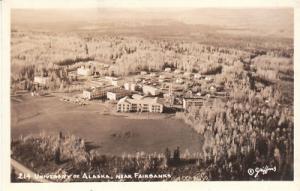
107 93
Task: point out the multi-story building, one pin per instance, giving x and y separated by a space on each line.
117 94
150 90
92 93
192 101
117 83
142 104
130 86
98 92
114 81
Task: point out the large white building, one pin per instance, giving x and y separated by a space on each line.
139 104
114 81
98 92
130 86
117 94
193 101
150 90
92 93
117 83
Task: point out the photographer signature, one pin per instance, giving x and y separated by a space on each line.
263 170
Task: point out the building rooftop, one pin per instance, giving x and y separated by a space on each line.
150 87
92 89
138 100
194 98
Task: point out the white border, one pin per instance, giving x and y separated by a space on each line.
150 3
5 111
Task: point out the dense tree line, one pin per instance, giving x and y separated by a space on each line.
131 55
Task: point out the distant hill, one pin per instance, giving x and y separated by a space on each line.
256 21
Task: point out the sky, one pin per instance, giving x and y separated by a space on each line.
148 3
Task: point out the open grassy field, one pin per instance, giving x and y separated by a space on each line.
109 134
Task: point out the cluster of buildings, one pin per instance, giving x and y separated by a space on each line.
113 88
146 92
128 100
151 92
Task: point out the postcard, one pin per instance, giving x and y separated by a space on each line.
155 93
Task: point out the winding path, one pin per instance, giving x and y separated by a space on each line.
22 169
